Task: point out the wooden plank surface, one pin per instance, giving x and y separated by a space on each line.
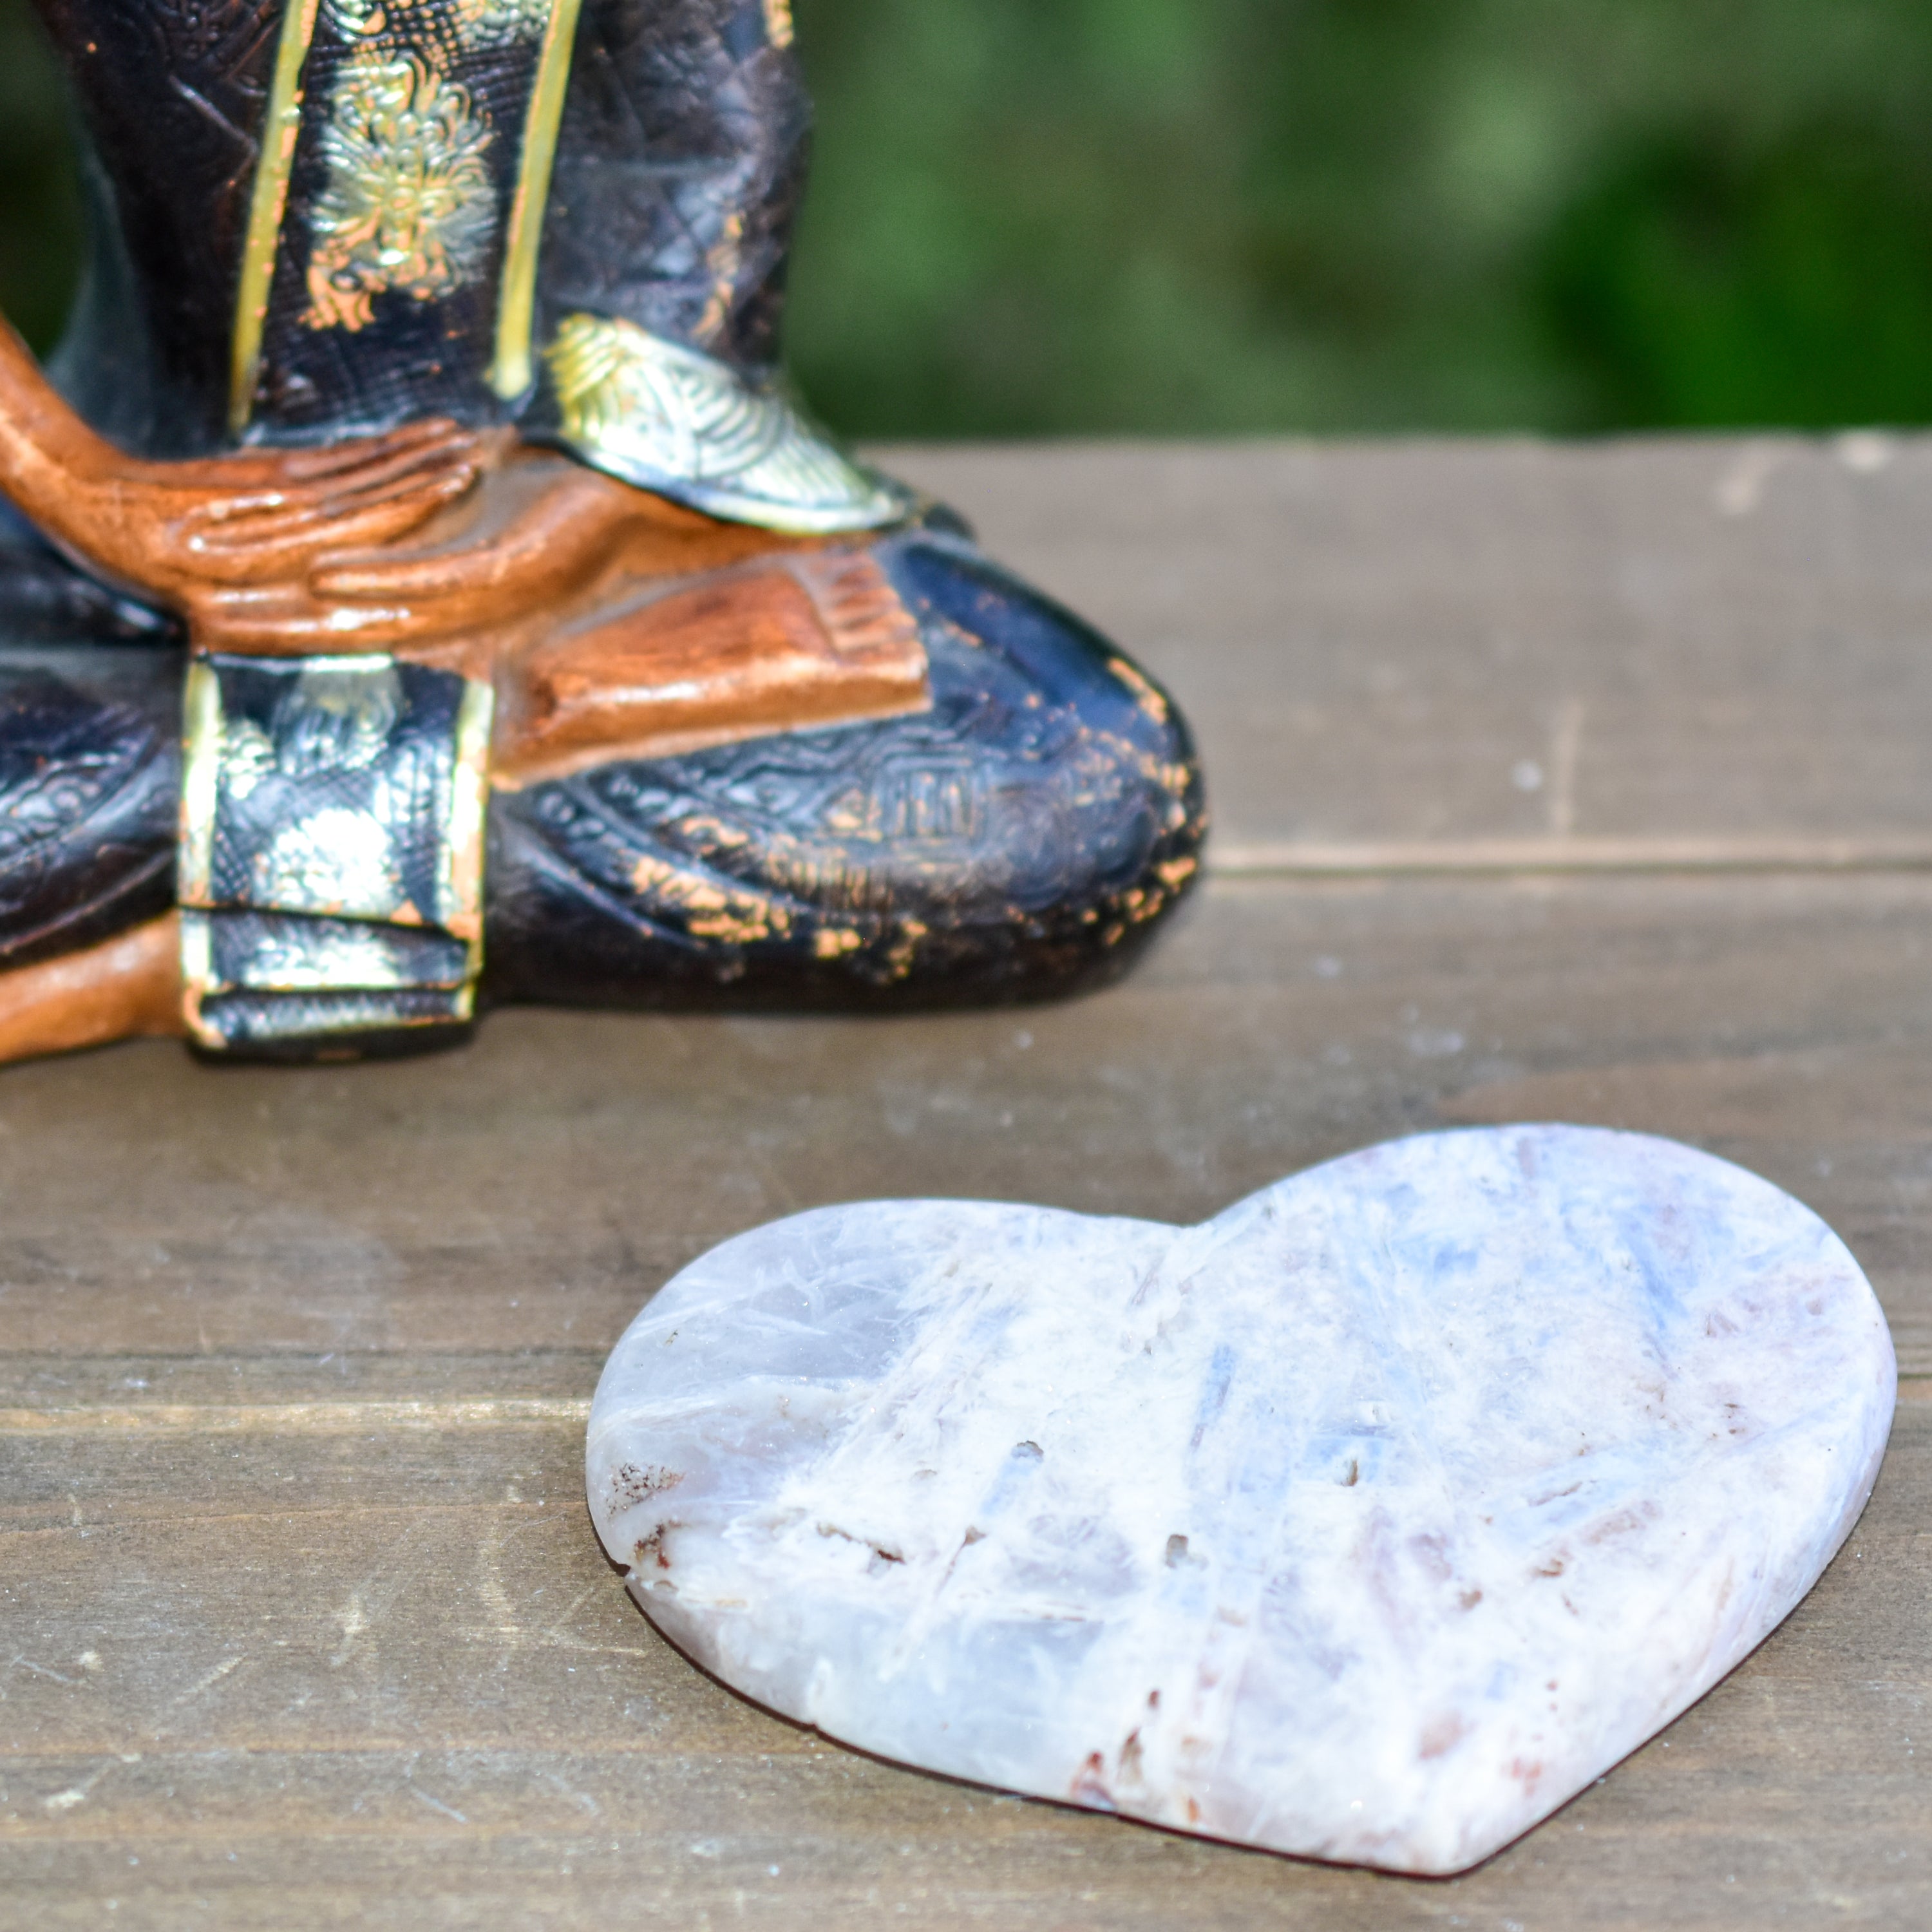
1719 642
302 1622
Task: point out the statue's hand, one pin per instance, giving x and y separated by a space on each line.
541 538
182 531
562 526
186 531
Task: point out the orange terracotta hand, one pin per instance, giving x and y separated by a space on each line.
543 537
179 531
552 528
570 528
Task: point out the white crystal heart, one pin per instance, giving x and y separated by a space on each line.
1369 1521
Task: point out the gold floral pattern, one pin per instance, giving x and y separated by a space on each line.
489 23
410 203
474 23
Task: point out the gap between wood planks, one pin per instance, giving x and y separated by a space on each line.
1282 859
356 1418
1292 859
295 1418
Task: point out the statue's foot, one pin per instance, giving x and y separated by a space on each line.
1020 838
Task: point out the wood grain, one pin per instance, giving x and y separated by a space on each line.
302 1620
1702 638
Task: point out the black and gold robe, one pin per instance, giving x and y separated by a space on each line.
317 216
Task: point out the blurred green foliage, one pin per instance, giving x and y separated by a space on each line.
1213 216
39 205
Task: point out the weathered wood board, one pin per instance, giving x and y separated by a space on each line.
302 1622
1720 642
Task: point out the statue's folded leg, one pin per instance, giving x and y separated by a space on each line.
1010 829
1016 837
90 770
534 644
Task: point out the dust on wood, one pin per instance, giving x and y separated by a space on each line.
302 1620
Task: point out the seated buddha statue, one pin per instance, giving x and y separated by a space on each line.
420 589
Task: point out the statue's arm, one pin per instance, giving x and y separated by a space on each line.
178 531
52 465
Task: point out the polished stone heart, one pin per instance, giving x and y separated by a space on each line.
1369 1521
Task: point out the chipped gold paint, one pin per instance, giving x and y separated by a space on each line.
197 976
732 929
723 262
1149 700
514 369
462 882
409 203
1141 904
900 955
201 781
268 204
738 917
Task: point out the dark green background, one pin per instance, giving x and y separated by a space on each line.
1212 216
